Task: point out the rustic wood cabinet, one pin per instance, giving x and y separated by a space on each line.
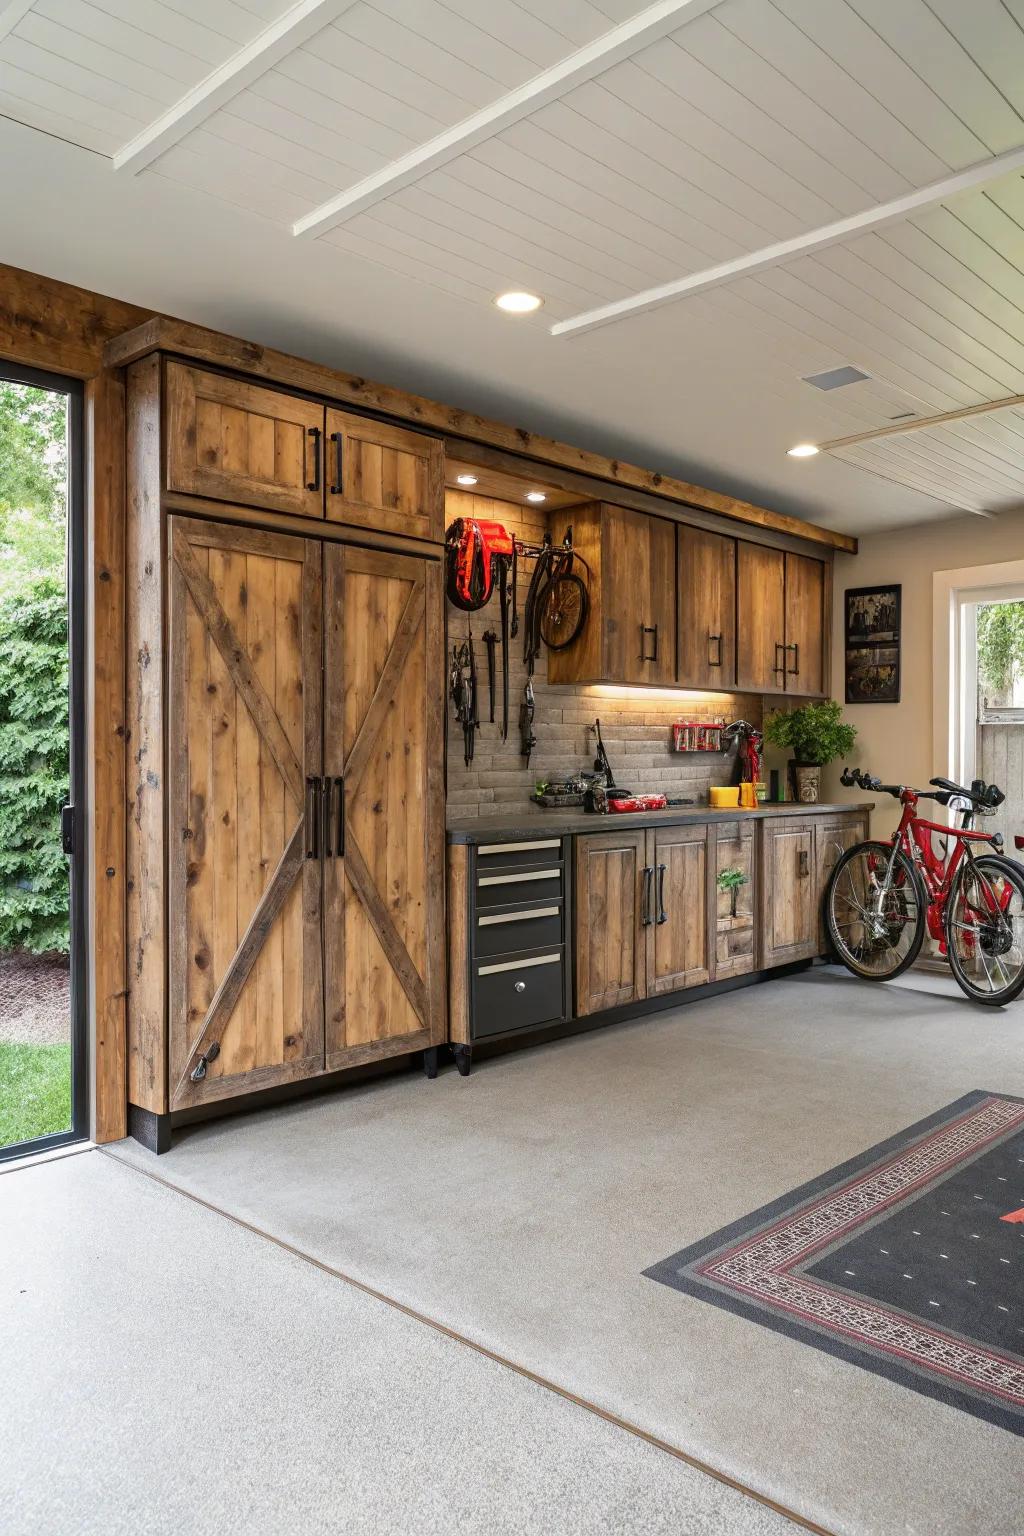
611 893
678 939
832 836
733 925
789 911
782 621
706 605
630 636
385 477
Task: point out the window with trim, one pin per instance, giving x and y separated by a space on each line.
1000 652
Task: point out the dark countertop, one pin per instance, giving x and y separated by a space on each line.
535 821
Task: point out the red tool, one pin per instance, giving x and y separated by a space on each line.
637 803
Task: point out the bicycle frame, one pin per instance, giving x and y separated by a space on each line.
913 837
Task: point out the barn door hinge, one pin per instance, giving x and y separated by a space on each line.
199 1070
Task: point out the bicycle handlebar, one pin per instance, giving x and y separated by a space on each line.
985 796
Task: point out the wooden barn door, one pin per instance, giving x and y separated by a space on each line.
383 757
245 983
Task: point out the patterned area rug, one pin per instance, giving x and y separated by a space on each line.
907 1260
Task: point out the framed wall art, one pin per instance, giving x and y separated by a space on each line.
873 644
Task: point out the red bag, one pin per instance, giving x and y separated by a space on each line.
474 552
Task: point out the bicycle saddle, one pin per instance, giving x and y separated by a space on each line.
980 793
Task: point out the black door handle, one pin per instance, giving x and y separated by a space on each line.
645 898
794 670
312 818
314 484
662 914
336 488
326 789
716 659
339 785
645 630
67 829
780 666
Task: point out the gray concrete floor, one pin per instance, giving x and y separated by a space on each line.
520 1207
169 1372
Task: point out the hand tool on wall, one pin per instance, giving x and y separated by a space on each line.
527 710
490 640
462 687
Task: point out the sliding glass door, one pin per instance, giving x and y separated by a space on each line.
43 1078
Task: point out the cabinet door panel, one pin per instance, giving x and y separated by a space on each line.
831 840
383 737
245 958
733 924
611 963
240 442
760 617
706 597
805 599
638 597
678 937
789 912
390 478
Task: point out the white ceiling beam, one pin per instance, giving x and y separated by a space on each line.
922 423
303 21
892 212
650 24
11 12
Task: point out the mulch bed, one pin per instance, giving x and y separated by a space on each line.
35 998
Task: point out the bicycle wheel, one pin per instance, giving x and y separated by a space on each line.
564 611
985 929
875 911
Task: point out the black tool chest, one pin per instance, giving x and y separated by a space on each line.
520 972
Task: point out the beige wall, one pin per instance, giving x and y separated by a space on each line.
895 740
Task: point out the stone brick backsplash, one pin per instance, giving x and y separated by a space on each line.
637 728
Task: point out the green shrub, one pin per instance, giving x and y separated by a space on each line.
33 766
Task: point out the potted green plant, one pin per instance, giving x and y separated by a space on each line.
733 881
815 734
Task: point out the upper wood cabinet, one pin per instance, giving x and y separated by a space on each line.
240 442
781 614
385 477
706 600
630 636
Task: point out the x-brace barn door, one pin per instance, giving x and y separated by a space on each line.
383 759
244 733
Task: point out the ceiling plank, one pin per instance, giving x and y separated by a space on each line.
621 42
11 12
303 21
876 217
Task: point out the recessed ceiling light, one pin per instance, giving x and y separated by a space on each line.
518 303
466 479
535 496
803 451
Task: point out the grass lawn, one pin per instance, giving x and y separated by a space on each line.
35 1091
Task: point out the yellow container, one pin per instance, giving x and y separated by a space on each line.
724 798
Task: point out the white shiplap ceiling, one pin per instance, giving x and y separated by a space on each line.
357 179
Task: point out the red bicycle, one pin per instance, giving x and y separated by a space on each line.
882 898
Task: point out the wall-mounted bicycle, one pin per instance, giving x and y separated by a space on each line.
883 898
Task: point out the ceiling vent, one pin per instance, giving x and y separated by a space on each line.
836 378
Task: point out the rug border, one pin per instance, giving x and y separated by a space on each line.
666 1272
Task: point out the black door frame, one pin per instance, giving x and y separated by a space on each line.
78 886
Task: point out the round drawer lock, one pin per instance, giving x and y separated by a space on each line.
520 986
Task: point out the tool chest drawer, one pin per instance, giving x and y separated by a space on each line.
515 994
492 857
502 933
518 887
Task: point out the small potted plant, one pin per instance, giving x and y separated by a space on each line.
733 881
815 734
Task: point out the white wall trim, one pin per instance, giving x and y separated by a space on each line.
892 212
303 21
621 42
11 12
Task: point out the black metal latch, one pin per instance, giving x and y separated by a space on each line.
199 1070
67 829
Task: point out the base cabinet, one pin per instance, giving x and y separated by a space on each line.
832 837
734 900
789 912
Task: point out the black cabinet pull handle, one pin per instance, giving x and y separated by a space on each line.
339 785
648 874
780 666
662 914
645 630
794 670
803 864
314 484
326 788
312 818
716 659
338 480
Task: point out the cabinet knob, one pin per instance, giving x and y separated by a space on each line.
520 986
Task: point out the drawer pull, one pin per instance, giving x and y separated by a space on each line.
530 874
520 986
548 842
517 917
519 965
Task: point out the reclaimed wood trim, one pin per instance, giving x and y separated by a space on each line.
211 1090
192 341
384 693
105 491
378 1050
244 958
390 939
459 1032
434 821
56 326
294 524
239 666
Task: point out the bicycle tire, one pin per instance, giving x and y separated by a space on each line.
1007 869
911 876
570 590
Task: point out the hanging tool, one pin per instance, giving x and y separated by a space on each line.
490 640
503 604
601 762
527 710
463 690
